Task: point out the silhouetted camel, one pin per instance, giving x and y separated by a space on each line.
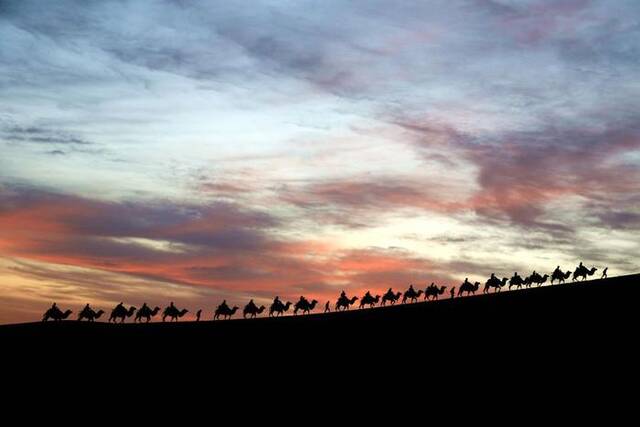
279 308
224 311
468 288
583 272
252 310
560 276
495 283
539 280
433 291
121 313
369 300
345 303
517 281
55 314
411 295
173 313
390 297
90 314
147 313
304 306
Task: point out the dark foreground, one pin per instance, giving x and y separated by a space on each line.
575 318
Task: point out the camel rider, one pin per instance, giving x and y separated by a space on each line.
303 300
516 278
557 271
171 306
120 307
367 295
466 282
411 291
144 308
389 293
277 302
224 305
86 309
252 305
581 267
54 308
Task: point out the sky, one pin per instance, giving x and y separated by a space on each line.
195 151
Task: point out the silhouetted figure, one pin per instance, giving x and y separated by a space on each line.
369 300
495 283
146 312
411 295
173 313
345 302
327 307
390 297
224 311
304 305
120 312
604 273
54 313
516 280
453 292
559 275
89 314
581 271
198 314
467 287
252 310
278 308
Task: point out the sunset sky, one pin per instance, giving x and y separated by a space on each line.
195 151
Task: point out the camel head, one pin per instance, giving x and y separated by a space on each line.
99 313
441 290
593 270
398 295
287 305
420 292
183 312
234 309
261 309
155 310
66 314
132 310
504 281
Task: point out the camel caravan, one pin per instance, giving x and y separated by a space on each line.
303 306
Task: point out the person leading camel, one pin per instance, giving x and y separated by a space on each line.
198 314
327 307
453 292
604 273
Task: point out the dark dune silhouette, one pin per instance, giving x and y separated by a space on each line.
536 317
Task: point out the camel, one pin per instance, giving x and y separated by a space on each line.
252 310
390 297
559 276
279 308
516 281
433 291
121 313
173 313
345 303
583 272
495 283
90 315
225 312
147 313
369 300
468 288
411 295
56 314
305 306
540 280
